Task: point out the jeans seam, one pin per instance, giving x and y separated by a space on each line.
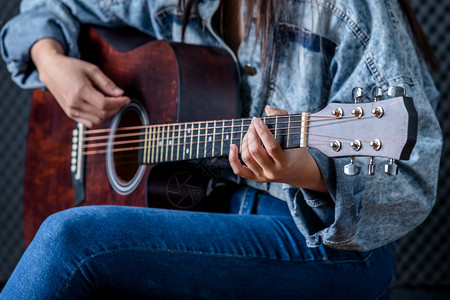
219 255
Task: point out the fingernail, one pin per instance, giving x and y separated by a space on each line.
256 121
117 91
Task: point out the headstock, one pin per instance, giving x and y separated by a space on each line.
382 128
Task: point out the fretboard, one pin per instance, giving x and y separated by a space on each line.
196 140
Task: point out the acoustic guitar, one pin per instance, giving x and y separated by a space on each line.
184 109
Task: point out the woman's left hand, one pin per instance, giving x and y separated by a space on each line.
265 160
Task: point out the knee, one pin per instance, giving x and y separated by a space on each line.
62 229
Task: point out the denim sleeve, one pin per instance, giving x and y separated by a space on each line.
34 23
60 20
365 212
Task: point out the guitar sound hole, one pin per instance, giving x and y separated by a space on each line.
126 160
122 158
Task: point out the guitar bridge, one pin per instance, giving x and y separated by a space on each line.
77 164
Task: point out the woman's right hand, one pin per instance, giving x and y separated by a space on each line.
82 90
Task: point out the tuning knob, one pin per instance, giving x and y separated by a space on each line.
357 94
371 167
352 169
391 168
396 91
377 93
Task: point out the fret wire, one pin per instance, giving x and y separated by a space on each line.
198 139
173 144
165 143
161 144
185 140
289 127
276 126
156 145
232 132
148 158
240 141
178 142
150 151
191 138
221 144
160 148
213 139
152 146
160 130
148 138
209 138
206 138
144 152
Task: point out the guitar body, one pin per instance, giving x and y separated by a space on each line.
168 83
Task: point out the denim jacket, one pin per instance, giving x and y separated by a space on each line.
323 48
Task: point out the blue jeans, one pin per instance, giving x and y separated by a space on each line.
256 252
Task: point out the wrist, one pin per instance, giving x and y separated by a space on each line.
310 176
44 50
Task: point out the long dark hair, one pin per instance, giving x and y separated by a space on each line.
268 12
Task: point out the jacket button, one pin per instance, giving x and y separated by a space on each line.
250 70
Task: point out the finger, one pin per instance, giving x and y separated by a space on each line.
87 120
103 82
272 111
271 145
101 102
252 151
236 165
85 110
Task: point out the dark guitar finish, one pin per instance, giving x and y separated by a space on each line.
162 76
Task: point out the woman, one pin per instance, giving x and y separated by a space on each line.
301 228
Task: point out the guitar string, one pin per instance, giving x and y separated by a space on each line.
129 156
292 136
158 141
212 144
269 118
171 134
223 127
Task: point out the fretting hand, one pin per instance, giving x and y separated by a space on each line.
266 161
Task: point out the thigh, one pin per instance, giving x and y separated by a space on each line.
171 254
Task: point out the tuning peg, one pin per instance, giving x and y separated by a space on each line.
377 93
391 168
396 91
357 94
352 169
371 167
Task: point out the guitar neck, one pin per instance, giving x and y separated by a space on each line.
208 139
